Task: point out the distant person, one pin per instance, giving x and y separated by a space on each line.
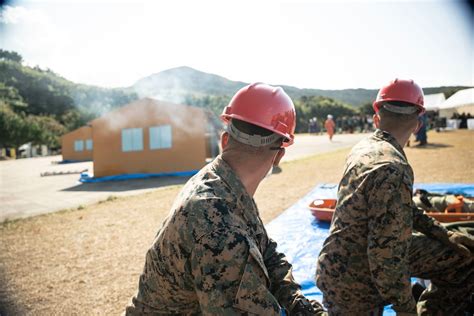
463 118
316 125
372 251
313 125
330 126
370 123
421 136
212 256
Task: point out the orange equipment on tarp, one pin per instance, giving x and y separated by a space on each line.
323 210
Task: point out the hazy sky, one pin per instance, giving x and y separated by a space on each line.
313 44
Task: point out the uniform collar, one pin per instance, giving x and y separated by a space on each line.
245 201
386 136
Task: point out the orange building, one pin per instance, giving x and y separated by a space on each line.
151 136
77 145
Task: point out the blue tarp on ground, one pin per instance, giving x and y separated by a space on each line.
300 236
86 178
71 161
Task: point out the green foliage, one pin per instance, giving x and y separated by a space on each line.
44 92
47 130
11 97
308 107
215 103
74 119
17 129
39 106
366 109
10 55
14 131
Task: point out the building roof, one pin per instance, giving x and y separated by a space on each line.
76 130
461 98
433 101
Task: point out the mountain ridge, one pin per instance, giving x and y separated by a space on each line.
176 84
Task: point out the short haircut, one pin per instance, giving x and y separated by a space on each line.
252 129
397 116
397 120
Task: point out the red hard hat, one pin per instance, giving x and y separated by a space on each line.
401 90
265 106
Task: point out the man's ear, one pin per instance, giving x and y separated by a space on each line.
376 118
224 140
279 156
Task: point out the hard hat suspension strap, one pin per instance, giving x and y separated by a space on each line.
252 140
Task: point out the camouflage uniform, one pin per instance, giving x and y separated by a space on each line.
432 202
368 258
213 256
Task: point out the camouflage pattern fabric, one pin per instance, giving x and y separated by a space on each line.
371 251
212 255
439 202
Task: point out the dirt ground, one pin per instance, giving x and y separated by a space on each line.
87 261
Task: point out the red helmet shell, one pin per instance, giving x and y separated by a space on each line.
265 106
401 90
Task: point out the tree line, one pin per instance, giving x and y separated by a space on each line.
306 107
39 106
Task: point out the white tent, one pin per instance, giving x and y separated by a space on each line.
460 102
433 101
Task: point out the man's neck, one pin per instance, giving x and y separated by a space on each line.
249 172
401 137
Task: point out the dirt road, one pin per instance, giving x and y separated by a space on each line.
25 193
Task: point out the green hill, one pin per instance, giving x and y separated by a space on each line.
39 106
179 83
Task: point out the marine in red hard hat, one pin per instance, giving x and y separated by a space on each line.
372 250
213 256
399 90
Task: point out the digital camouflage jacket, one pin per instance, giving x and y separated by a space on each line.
363 262
212 255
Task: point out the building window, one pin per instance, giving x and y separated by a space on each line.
132 139
160 137
89 144
78 145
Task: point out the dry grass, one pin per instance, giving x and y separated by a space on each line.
87 261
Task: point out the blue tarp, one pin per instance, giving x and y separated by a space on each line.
300 236
71 161
85 178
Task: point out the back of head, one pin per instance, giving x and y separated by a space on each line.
252 139
397 115
399 104
263 106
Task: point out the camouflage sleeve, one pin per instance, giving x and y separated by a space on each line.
390 229
230 276
427 225
284 286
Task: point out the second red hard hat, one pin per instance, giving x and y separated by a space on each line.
401 90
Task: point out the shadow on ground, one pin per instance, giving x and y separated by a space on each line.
432 146
128 185
7 305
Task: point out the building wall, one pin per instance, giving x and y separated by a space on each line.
67 144
188 148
